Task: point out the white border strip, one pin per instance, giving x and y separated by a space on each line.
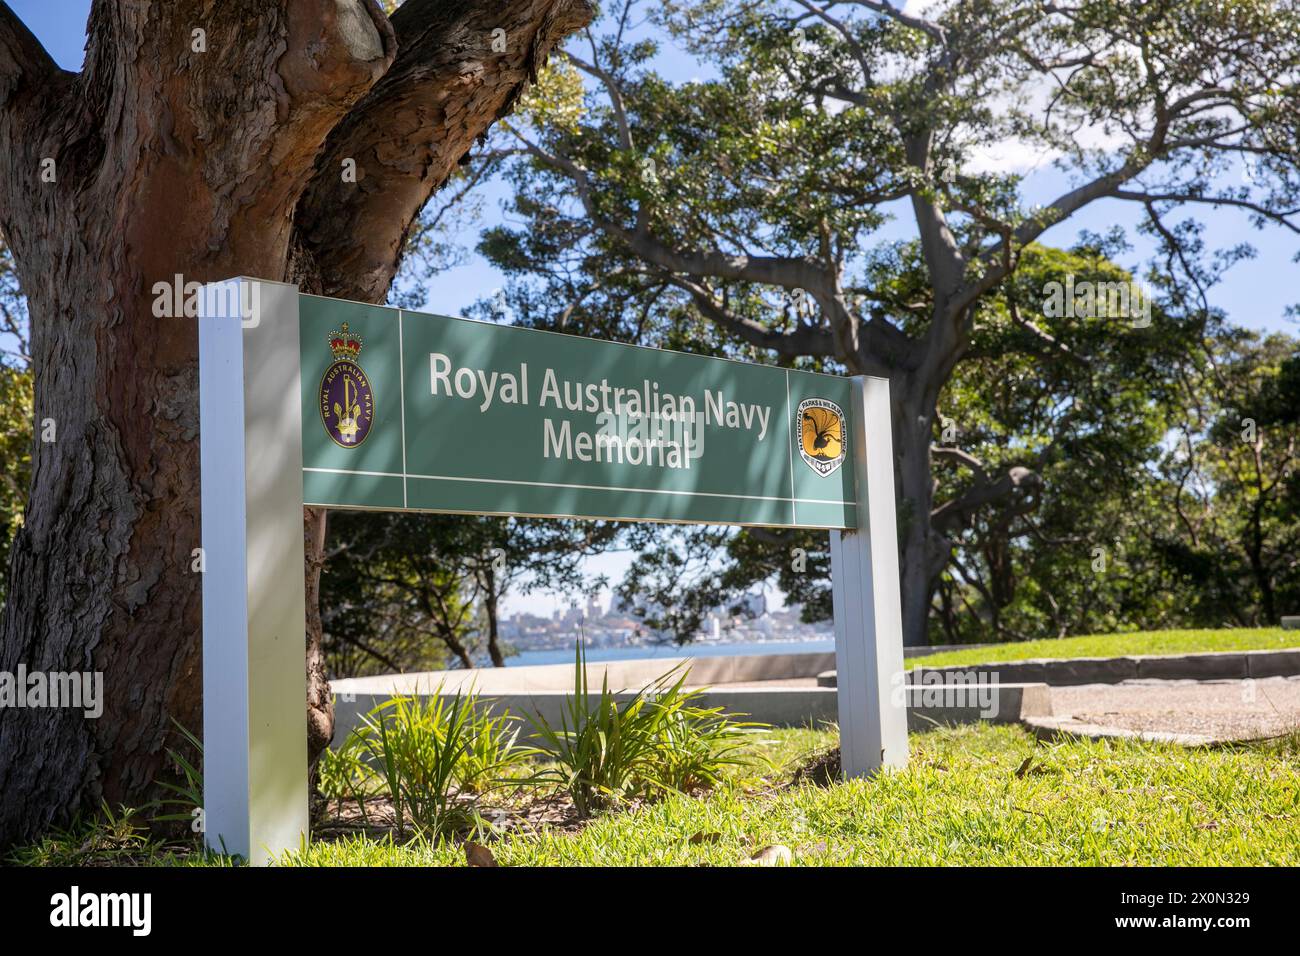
791 438
401 378
550 484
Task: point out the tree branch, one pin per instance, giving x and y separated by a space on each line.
842 28
863 344
883 7
24 64
1043 335
32 87
137 145
612 90
804 340
450 81
964 457
1017 482
1280 216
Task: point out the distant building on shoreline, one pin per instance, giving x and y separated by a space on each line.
616 627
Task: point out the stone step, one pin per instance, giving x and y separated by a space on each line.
1218 665
927 707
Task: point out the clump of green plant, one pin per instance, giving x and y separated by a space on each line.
493 751
433 756
109 837
697 745
605 751
342 772
186 798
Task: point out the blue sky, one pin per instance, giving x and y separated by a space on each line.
1254 294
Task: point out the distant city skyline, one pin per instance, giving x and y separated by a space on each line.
604 628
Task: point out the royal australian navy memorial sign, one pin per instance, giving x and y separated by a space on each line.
306 400
409 411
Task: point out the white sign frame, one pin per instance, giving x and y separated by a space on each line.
254 609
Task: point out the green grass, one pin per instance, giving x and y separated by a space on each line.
961 801
1120 645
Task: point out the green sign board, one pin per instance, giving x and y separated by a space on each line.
408 411
403 411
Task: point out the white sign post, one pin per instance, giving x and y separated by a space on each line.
254 613
865 598
252 443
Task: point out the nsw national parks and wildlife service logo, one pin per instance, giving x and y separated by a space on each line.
820 425
347 404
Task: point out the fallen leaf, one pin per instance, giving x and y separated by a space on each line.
476 854
774 855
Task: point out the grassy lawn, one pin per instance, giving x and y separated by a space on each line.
1120 645
959 803
962 801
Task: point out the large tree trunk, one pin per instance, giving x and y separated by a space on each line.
922 551
205 164
491 600
320 703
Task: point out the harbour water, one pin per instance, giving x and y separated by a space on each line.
696 649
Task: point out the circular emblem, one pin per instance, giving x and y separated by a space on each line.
821 429
347 403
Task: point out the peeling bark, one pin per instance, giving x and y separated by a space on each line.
460 88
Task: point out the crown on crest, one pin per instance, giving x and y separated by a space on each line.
345 344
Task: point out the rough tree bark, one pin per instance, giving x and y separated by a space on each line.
491 601
924 552
168 161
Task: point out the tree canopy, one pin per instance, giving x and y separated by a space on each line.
826 197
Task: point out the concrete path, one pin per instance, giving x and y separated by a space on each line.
1219 709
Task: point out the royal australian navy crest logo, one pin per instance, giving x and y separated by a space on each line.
347 403
820 426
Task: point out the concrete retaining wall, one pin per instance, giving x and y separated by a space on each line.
779 706
1022 685
704 671
1225 665
620 674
